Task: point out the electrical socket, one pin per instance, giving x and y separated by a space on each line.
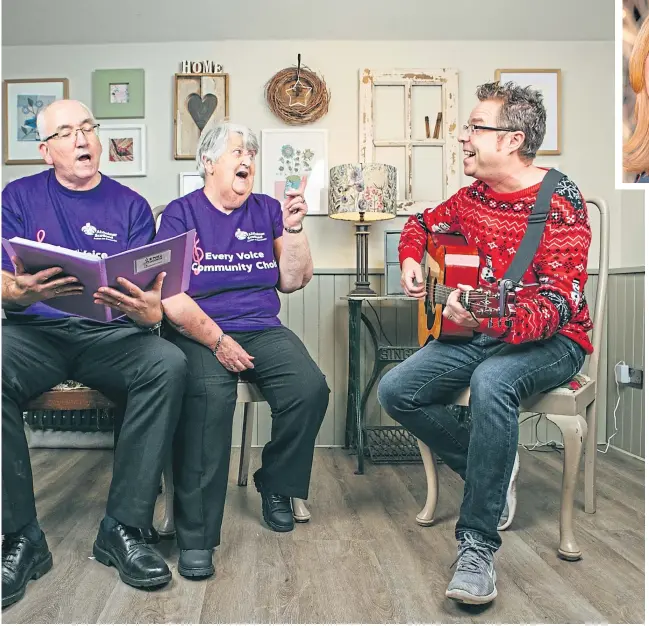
626 375
622 374
635 377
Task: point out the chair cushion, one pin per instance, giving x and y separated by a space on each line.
69 384
574 384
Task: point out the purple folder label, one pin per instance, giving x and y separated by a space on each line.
153 260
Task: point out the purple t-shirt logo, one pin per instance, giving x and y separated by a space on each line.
199 255
88 229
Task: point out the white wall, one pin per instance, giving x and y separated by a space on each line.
587 99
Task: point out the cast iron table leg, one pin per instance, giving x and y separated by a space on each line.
354 413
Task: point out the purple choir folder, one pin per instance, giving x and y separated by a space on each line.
138 265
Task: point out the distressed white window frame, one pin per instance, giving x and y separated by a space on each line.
447 79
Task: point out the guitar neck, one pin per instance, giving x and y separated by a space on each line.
441 293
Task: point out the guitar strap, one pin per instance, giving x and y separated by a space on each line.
535 226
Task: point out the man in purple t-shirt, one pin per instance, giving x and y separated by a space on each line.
73 205
247 247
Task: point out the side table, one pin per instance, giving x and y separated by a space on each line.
355 433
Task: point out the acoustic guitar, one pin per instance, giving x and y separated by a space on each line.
451 261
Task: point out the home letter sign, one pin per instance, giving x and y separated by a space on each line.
200 67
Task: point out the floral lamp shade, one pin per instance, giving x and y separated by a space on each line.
364 192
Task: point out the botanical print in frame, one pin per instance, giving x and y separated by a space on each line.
287 156
23 99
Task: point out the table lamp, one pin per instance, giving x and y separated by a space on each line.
362 193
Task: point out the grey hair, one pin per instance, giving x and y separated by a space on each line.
214 140
40 118
522 109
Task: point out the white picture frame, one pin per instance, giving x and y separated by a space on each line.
123 149
548 82
279 149
188 182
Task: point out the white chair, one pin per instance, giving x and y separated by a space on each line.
247 394
566 409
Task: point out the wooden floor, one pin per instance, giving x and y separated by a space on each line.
361 559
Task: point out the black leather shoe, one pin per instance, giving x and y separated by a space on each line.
138 564
150 535
195 563
22 560
276 509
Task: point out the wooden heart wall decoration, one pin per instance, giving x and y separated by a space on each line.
199 101
201 109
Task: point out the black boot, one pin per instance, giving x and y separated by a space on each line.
276 508
195 563
138 564
22 560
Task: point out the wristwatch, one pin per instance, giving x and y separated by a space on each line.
294 231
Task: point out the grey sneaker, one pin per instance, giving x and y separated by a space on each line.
507 516
474 581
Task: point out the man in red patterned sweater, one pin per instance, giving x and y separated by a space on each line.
508 359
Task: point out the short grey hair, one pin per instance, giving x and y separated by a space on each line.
522 109
40 118
214 140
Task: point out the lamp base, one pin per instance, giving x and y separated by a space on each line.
362 284
361 290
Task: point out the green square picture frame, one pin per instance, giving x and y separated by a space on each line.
118 93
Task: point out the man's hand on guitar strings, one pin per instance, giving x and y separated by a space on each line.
455 312
411 272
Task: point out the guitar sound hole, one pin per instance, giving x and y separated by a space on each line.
430 304
430 318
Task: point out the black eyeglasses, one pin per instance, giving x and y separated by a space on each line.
68 133
471 128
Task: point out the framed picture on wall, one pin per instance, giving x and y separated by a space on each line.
22 100
199 99
190 181
118 93
548 82
123 149
287 156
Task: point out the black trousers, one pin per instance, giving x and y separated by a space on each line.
142 373
298 395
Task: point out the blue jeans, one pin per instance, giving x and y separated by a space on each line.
482 452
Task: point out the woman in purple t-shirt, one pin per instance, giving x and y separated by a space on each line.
247 247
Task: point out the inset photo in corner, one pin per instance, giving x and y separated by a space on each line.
632 133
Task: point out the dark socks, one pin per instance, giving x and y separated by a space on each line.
108 523
32 530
